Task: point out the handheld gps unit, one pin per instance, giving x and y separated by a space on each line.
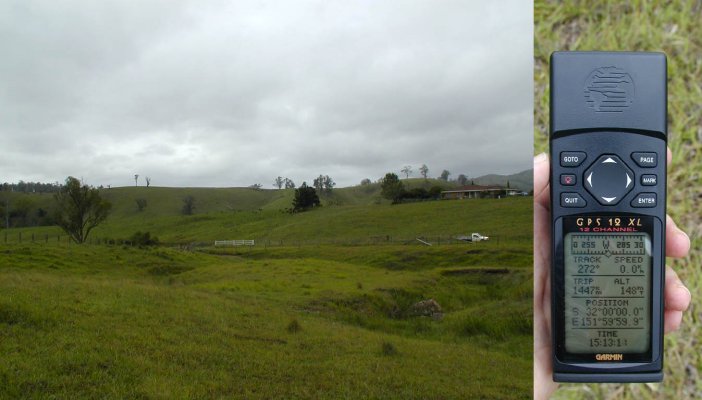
608 195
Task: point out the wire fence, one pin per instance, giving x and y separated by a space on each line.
19 237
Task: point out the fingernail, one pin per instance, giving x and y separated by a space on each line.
542 157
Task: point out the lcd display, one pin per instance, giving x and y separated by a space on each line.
607 292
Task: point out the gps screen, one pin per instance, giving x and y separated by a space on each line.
607 292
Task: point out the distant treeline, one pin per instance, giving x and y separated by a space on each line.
23 211
30 187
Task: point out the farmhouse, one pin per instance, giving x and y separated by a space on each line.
478 192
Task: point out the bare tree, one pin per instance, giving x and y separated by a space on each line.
279 182
136 179
289 184
148 181
424 170
407 170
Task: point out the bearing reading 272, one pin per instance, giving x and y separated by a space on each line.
608 181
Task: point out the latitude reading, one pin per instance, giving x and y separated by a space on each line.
607 287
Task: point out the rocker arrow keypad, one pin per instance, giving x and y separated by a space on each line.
608 180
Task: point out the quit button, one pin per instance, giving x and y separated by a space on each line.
572 200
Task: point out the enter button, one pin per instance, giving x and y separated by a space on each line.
645 200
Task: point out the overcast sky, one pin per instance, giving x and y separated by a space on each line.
232 93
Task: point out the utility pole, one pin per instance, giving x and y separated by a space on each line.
7 212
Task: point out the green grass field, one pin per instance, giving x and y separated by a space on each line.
675 29
309 319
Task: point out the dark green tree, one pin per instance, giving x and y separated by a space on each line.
79 209
392 188
445 175
462 180
305 198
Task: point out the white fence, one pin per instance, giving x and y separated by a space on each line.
234 243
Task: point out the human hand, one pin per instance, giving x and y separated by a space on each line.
677 296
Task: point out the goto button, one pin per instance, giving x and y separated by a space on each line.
572 158
645 160
572 200
645 200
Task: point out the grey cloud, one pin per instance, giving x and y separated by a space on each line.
221 93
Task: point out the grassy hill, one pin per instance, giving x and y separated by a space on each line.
504 219
323 307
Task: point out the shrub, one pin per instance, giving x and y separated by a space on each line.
143 239
294 326
389 349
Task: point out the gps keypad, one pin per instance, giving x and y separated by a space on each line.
608 179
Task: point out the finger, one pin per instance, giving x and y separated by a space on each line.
677 243
541 188
669 155
673 319
677 295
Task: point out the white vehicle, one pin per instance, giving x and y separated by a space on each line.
474 237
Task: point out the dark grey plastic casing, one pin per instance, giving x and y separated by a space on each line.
632 120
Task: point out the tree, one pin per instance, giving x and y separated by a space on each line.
462 180
392 188
318 184
148 181
323 184
328 183
136 179
305 198
23 207
508 184
365 182
79 209
256 186
444 175
407 170
279 182
141 204
424 171
289 184
188 205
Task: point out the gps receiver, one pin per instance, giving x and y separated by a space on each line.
608 196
